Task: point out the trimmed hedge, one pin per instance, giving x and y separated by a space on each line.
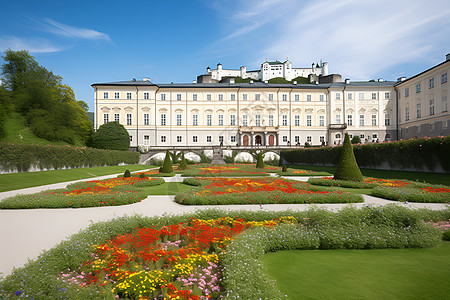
21 157
111 136
421 154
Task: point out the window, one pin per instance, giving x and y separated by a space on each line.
362 136
407 92
350 96
321 98
444 78
309 139
284 138
233 97
270 120
387 119
208 139
444 124
195 139
432 127
308 120
220 120
232 120
337 136
361 96
244 97
308 97
284 97
350 120
270 97
296 120
244 120
105 118
116 95
297 139
117 117
146 140
406 113
338 119
418 110
179 138
163 97
257 97
361 120
419 128
128 96
163 139
375 136
208 120
194 120
322 139
194 97
374 120
338 96
258 120
284 120
146 119
163 119
432 107
220 97
297 97
146 96
128 119
444 103
431 83
321 120
418 88
178 119
387 95
374 96
221 139
233 139
105 95
131 138
208 97
178 97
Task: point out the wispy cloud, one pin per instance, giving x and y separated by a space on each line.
74 32
34 45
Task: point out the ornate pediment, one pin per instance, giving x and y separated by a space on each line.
258 107
309 110
145 108
321 111
128 108
104 108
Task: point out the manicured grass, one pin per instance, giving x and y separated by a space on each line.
439 178
15 181
168 188
339 188
362 274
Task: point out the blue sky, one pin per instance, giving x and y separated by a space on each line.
174 41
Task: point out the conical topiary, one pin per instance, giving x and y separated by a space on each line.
167 165
127 173
347 168
260 161
183 163
284 168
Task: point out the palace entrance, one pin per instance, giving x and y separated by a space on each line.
245 140
258 140
271 140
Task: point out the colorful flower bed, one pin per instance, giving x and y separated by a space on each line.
224 191
108 192
229 170
296 172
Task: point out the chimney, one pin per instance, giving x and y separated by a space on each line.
347 81
380 80
145 79
447 57
232 81
194 81
400 79
134 79
295 82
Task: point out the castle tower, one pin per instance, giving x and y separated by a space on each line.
243 72
324 69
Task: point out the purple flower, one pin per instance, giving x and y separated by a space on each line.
18 293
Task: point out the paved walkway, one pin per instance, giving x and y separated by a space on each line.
26 233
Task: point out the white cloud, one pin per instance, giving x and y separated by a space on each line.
33 45
74 32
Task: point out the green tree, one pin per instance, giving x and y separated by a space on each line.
260 160
167 165
347 168
112 136
356 140
5 108
183 163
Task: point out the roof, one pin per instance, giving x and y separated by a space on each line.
273 62
126 83
417 75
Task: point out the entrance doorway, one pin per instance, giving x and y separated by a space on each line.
258 140
271 140
245 140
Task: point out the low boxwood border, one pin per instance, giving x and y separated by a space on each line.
410 194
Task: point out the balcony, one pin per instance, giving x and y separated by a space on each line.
337 126
258 128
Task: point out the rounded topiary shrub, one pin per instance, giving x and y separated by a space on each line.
112 136
356 140
347 168
183 163
127 173
167 165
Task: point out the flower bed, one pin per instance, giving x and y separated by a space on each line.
109 192
295 172
229 170
224 191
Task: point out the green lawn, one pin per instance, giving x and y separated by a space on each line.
15 181
362 274
438 178
168 188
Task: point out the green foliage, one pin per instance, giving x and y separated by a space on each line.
142 175
175 156
192 181
183 163
284 168
167 165
298 172
127 173
233 171
5 109
111 136
347 168
244 80
356 139
22 157
342 183
260 161
446 235
411 194
422 154
229 159
205 159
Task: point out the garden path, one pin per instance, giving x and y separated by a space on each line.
26 233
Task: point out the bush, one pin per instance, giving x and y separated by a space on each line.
446 235
112 136
260 161
347 168
167 165
127 173
284 168
142 175
183 163
192 181
356 140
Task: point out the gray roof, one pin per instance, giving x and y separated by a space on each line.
125 83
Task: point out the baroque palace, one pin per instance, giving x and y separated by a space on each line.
217 110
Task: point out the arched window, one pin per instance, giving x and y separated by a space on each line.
338 135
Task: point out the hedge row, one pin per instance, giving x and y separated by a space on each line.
21 157
420 154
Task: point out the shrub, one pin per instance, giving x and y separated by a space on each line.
192 181
446 235
284 168
112 136
127 173
356 139
347 168
167 165
260 161
183 163
142 175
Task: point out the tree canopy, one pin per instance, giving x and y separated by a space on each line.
50 107
112 136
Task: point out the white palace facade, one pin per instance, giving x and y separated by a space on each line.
261 113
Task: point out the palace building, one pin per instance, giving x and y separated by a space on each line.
223 112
